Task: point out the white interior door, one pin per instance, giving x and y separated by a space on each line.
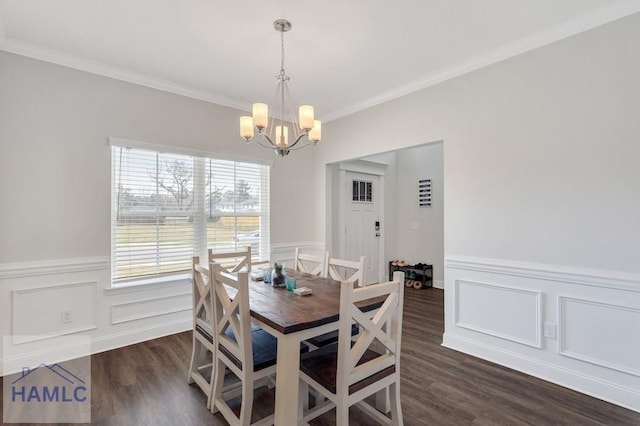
362 214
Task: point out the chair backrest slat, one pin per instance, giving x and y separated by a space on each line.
202 302
232 261
311 264
347 270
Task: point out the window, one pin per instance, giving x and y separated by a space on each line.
169 207
362 191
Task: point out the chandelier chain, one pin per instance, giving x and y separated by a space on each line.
281 52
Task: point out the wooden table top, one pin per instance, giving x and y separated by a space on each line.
287 312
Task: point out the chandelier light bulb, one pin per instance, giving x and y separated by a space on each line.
282 136
315 134
260 115
306 117
246 127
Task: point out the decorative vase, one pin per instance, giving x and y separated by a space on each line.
278 276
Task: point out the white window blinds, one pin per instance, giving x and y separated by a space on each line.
169 207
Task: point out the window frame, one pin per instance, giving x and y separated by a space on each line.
199 212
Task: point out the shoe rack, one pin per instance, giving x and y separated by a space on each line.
418 276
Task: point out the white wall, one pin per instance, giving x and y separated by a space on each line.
425 243
55 203
541 205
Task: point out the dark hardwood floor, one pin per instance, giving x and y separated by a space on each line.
145 384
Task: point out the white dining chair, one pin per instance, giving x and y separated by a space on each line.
249 353
311 264
345 271
348 372
202 355
348 270
234 261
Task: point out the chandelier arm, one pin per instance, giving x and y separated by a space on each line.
300 136
266 136
301 146
282 92
294 118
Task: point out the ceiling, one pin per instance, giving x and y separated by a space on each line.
342 56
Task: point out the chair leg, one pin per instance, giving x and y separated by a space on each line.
211 384
247 402
198 358
396 409
193 359
342 414
218 383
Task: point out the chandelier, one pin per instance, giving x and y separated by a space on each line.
273 130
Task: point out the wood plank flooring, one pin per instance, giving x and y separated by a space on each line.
145 384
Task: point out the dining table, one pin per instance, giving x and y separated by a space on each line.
293 318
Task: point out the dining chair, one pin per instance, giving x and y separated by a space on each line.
232 262
202 355
348 372
348 270
247 352
345 271
311 264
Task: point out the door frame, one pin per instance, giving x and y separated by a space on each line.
369 168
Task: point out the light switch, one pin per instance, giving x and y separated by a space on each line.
415 225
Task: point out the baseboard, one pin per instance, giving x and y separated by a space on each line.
114 341
438 284
131 337
595 387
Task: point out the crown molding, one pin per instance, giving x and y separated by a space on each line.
76 62
575 26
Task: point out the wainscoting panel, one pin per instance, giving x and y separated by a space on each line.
495 309
603 334
38 312
149 308
508 313
34 296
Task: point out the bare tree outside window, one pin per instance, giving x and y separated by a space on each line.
179 184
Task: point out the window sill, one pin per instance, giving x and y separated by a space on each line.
148 284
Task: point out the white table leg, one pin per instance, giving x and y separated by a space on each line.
287 376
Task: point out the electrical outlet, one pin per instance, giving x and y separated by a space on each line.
66 316
550 330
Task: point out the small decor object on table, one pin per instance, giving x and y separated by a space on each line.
278 277
291 283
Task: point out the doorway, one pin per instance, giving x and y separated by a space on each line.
409 229
362 221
